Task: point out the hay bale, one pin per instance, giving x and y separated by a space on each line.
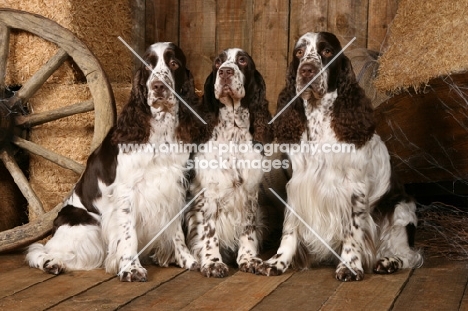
428 39
96 23
70 137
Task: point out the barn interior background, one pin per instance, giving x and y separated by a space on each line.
422 114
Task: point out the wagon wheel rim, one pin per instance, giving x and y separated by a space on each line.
102 103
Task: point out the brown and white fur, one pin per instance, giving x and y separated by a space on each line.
351 200
225 221
125 197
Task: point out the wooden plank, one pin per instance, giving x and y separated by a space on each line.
163 16
17 280
234 25
177 293
375 292
310 289
114 294
138 11
242 291
270 51
426 132
11 261
380 16
4 51
197 34
348 19
306 16
51 292
438 286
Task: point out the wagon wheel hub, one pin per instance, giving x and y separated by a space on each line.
10 107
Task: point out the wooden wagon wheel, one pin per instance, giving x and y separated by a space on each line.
12 120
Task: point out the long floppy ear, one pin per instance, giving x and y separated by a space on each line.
352 115
133 123
210 102
258 108
291 123
186 128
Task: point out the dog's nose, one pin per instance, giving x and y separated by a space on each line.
225 72
307 71
159 87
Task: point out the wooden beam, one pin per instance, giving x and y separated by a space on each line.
380 16
348 19
197 34
252 288
270 51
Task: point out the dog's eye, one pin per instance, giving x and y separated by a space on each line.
217 63
327 52
173 64
299 53
242 61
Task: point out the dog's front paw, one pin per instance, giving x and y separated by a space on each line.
134 274
195 266
53 266
269 269
387 265
344 274
214 269
251 266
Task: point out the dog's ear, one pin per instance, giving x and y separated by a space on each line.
210 103
133 123
291 123
352 114
258 108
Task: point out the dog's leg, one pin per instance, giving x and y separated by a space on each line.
123 244
211 263
280 262
247 257
358 249
395 252
183 256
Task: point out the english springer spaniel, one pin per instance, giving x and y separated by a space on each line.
130 191
351 200
225 220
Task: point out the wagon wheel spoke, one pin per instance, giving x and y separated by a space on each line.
48 154
4 45
31 86
55 114
22 182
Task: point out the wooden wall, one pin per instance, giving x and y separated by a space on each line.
266 29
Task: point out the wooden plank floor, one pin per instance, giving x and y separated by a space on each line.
439 285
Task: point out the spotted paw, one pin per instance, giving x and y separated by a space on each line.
215 269
53 267
387 265
134 275
251 266
195 266
268 269
344 274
